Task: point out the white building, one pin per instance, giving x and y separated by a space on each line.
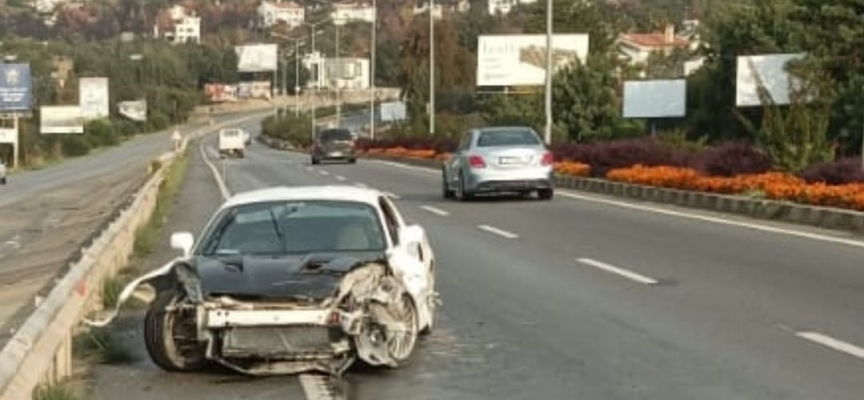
353 11
47 6
503 7
637 47
181 26
442 6
273 12
346 73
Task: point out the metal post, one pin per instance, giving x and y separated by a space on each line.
372 70
317 81
296 78
338 76
285 81
548 131
431 67
16 146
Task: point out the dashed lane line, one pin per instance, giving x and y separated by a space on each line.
498 231
618 271
437 211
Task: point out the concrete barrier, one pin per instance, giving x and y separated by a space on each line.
41 349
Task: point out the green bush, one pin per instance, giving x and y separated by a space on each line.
74 146
101 133
290 128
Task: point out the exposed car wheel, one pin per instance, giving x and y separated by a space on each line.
170 336
445 188
464 195
315 161
545 194
401 345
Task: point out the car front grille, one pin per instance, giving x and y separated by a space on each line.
278 341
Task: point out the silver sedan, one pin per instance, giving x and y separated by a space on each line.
499 159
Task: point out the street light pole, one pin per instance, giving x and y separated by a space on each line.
431 68
338 76
317 81
372 70
548 131
296 78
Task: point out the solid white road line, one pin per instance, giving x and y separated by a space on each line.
340 178
718 220
437 211
832 343
618 271
499 232
322 172
223 189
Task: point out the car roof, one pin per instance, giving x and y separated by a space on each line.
506 128
308 193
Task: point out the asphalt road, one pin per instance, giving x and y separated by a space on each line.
582 297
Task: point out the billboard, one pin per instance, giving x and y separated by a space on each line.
61 119
520 60
8 135
93 98
655 98
771 69
15 88
393 111
257 57
136 110
220 92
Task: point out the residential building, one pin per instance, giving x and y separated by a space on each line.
437 9
346 73
503 7
636 48
442 6
47 6
178 25
353 11
288 12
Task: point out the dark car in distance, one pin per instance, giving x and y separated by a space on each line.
334 144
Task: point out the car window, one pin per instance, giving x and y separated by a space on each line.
514 137
336 134
291 228
465 144
390 219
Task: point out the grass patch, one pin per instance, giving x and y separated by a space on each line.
148 235
100 345
58 391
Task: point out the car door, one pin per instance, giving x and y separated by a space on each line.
408 262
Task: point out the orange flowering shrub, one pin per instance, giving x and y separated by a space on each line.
572 168
775 185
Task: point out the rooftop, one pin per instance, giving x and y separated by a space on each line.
654 40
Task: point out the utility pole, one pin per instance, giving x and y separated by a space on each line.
431 67
285 81
317 81
372 70
338 77
548 131
296 78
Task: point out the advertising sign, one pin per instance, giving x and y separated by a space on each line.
260 90
15 88
244 90
771 70
135 110
220 92
520 60
61 119
655 98
8 135
393 111
257 58
93 97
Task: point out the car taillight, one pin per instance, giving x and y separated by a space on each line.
476 162
548 159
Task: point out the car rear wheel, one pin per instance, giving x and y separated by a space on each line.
352 161
445 188
464 194
170 336
545 194
315 161
2 181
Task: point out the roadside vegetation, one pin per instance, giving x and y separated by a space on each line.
60 391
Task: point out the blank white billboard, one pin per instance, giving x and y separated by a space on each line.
655 98
771 69
257 57
61 119
93 97
393 111
520 60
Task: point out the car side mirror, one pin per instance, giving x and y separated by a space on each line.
412 234
182 241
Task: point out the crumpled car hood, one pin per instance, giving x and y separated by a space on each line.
315 277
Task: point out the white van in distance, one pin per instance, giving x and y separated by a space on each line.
232 141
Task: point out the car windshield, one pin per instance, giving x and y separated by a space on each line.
514 137
335 134
230 133
290 228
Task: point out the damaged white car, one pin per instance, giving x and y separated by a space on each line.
292 280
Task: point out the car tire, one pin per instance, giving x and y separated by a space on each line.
352 161
403 357
2 181
546 194
315 161
163 349
464 195
446 192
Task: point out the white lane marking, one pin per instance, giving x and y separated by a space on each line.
223 189
322 172
340 178
408 167
392 195
618 271
832 343
361 185
310 169
718 220
315 387
499 232
436 211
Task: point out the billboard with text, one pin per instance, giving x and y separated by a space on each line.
61 119
520 60
15 88
257 58
135 110
93 97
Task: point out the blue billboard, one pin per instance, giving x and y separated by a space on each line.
15 88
